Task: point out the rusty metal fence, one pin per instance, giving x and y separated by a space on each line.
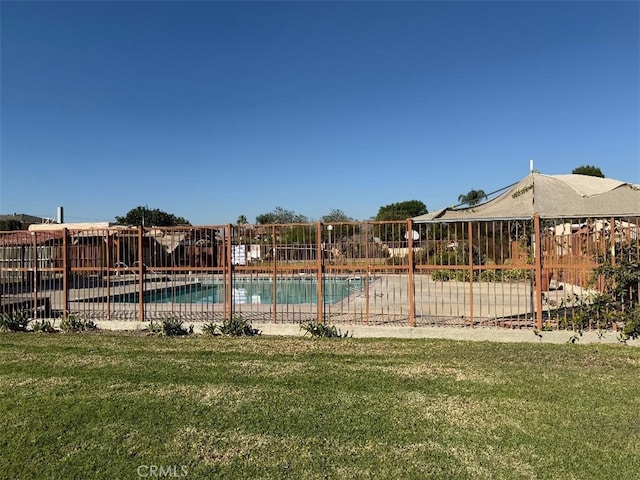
513 274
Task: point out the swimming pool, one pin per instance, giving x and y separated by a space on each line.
255 291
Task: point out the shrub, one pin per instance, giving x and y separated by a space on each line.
210 328
171 327
459 275
43 326
515 274
455 256
72 324
440 275
396 260
317 329
505 275
155 327
618 302
584 311
237 326
631 328
16 321
622 280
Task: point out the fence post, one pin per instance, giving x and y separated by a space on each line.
107 265
612 237
537 251
368 270
140 274
34 279
470 234
65 273
229 272
320 273
411 279
275 273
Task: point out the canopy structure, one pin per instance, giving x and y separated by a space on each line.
550 196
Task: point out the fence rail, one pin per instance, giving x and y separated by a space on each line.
467 274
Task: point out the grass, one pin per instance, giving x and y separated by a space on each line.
101 405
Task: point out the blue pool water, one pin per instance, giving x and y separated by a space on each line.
255 291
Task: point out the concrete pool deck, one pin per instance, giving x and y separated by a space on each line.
501 311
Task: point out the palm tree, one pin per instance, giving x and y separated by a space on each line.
472 198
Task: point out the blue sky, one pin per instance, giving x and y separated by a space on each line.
211 110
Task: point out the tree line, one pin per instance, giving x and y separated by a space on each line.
279 215
145 216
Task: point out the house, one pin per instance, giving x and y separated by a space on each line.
23 219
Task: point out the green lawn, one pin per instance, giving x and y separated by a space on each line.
127 407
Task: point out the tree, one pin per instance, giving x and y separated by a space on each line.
401 210
280 215
590 170
144 216
335 216
397 211
339 226
473 197
242 220
11 224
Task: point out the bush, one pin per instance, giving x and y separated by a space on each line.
360 250
505 275
515 274
73 324
449 254
395 260
618 302
44 326
17 321
631 328
458 275
155 327
317 329
171 327
455 256
235 326
210 328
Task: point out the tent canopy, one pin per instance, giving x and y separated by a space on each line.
550 196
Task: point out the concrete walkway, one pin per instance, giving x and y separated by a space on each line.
468 334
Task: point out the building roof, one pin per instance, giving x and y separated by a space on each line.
24 218
69 226
23 237
550 196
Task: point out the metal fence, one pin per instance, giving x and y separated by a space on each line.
468 274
